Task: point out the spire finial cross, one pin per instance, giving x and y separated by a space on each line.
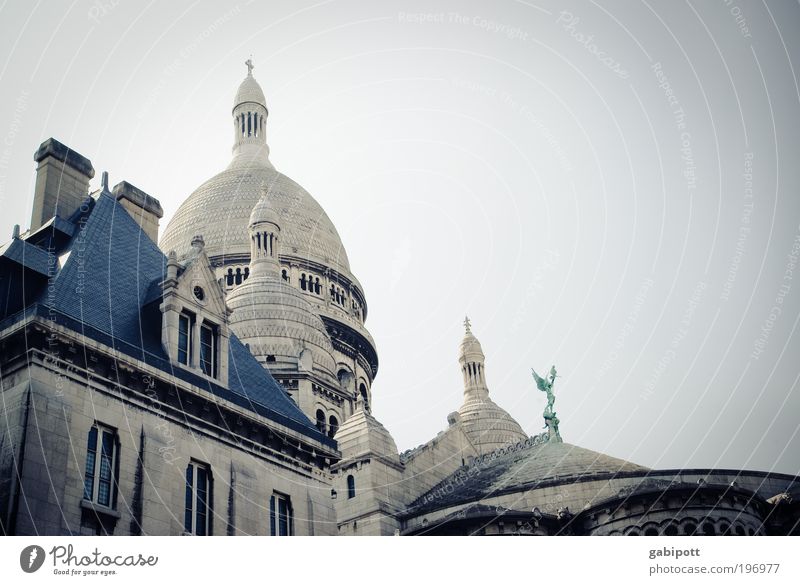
467 324
250 65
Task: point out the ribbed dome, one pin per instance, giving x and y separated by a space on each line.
220 210
249 91
470 348
278 323
263 212
487 425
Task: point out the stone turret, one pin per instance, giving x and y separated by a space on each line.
368 477
487 425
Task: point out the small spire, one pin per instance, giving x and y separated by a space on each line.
467 324
15 233
104 181
250 66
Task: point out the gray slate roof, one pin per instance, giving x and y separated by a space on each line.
517 469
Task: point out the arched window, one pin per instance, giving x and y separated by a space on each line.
739 530
333 426
317 287
249 124
242 119
320 421
708 529
671 530
229 277
285 275
689 528
651 532
246 272
238 276
351 487
303 281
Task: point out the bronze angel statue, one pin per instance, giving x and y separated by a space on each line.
546 385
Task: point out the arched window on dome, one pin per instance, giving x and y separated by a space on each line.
238 276
285 275
242 119
320 421
351 487
246 272
333 426
362 390
303 281
229 277
317 287
249 123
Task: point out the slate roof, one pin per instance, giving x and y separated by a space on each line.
101 290
517 469
25 254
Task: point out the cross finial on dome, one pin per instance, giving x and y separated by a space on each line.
250 66
467 324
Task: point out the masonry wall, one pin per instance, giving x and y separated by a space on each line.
154 453
434 461
14 405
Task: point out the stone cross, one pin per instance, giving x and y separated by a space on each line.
467 325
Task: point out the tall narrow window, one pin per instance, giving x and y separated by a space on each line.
102 456
351 487
333 426
320 421
184 338
197 509
280 515
208 350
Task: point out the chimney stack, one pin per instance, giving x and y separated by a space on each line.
62 182
143 208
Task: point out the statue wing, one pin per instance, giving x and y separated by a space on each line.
540 382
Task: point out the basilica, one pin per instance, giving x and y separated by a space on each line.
218 381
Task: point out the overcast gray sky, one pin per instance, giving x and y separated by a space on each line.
608 186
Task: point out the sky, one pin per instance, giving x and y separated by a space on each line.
610 187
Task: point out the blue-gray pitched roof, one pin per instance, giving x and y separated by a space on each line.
26 254
101 291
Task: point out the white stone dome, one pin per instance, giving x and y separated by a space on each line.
488 426
220 210
278 323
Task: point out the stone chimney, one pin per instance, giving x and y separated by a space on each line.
143 208
62 182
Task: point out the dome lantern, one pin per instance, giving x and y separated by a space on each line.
264 237
250 119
